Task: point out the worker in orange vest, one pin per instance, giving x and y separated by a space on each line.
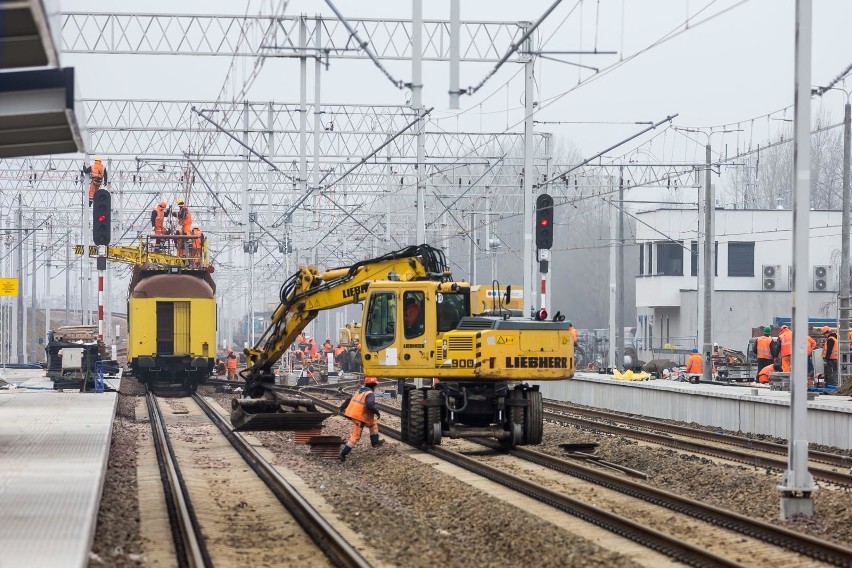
327 347
97 175
811 347
195 249
572 331
231 365
184 217
763 375
158 218
785 336
829 356
361 409
694 366
766 348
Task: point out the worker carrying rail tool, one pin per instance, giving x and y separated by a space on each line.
97 175
361 410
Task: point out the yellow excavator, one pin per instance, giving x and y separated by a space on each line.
416 324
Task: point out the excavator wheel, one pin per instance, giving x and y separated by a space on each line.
433 419
515 424
533 418
416 418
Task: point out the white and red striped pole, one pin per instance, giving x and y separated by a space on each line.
100 305
543 291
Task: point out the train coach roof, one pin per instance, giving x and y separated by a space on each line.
172 286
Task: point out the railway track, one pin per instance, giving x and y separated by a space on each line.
752 452
674 547
298 525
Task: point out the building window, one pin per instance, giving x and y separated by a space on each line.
641 260
650 256
741 259
670 258
694 258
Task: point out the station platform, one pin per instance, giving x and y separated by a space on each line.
742 407
54 448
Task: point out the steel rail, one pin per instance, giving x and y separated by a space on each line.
837 460
781 537
186 531
645 536
841 479
326 537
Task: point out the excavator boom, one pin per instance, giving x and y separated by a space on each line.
303 296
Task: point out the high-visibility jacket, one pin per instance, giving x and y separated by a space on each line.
362 406
158 215
327 347
340 349
763 375
97 173
196 242
232 361
763 346
185 220
850 339
573 333
811 345
830 351
695 364
786 337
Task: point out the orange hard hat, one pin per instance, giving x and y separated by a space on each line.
230 350
163 204
825 329
371 381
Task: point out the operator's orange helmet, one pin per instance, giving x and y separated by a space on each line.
371 381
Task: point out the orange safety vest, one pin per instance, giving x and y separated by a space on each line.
158 220
811 345
786 337
196 242
764 347
357 408
97 173
338 351
763 375
833 355
327 347
185 219
573 333
232 361
695 364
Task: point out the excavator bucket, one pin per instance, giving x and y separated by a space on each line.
275 414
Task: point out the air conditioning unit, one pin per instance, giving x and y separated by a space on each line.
823 279
771 274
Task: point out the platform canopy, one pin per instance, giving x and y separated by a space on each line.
38 114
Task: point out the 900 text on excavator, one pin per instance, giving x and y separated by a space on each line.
416 323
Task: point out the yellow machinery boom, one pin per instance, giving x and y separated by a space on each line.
147 254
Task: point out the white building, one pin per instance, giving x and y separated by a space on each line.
753 264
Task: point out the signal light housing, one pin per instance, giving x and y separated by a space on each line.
102 217
544 221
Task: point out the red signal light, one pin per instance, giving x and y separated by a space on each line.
101 217
544 222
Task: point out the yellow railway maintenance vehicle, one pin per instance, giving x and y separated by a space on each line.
171 313
475 367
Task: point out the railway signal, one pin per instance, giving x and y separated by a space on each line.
543 221
102 217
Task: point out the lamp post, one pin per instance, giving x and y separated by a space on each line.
707 265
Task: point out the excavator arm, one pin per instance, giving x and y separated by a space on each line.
303 296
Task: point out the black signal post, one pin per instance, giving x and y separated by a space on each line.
102 217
